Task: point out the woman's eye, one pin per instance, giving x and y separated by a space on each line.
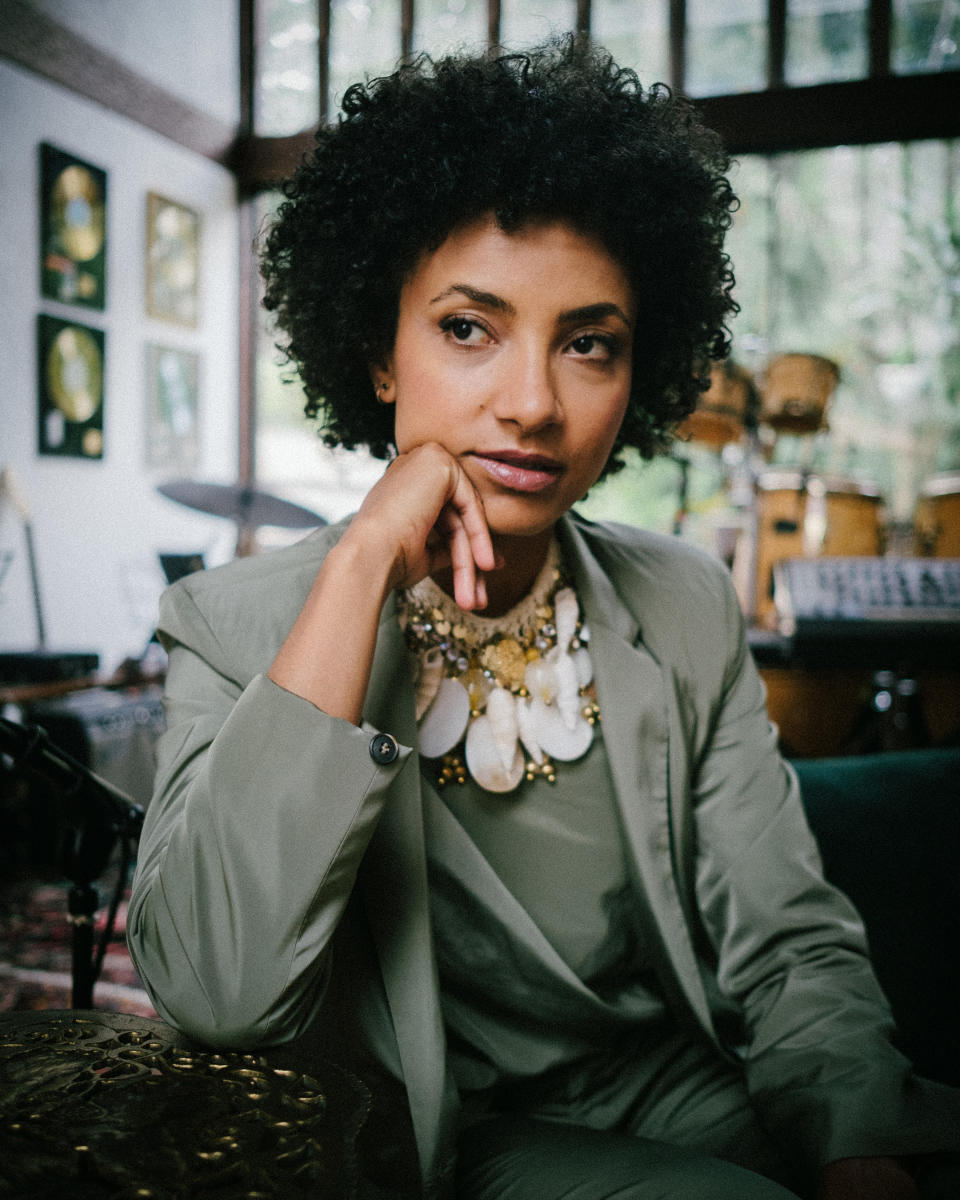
592 345
465 331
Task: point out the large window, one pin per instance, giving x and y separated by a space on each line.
848 252
926 35
725 47
852 253
287 91
308 51
367 33
826 39
526 22
290 457
446 26
636 32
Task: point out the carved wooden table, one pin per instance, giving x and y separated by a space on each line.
106 1105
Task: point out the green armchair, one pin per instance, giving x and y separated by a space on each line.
888 827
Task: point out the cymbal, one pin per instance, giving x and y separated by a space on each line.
245 505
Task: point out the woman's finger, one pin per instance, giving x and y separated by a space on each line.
475 524
465 501
461 558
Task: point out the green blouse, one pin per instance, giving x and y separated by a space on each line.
541 949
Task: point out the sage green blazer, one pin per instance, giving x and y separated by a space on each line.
282 870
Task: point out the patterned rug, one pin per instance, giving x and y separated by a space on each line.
35 951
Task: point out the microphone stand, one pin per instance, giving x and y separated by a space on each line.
96 815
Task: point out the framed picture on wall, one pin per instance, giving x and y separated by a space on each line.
173 261
171 426
70 375
73 229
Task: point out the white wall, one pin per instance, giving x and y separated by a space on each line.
98 524
191 50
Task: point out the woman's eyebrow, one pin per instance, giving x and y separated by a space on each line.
586 312
487 299
595 312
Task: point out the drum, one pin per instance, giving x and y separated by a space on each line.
725 409
795 392
936 521
806 516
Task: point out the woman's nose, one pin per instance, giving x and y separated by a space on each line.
528 392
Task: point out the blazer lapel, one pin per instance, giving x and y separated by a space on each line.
394 881
633 696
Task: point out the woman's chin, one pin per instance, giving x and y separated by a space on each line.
505 522
520 514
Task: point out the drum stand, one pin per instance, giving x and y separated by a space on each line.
743 497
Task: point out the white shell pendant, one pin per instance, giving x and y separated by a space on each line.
540 679
528 733
502 715
568 691
484 761
584 665
445 720
552 733
428 680
566 611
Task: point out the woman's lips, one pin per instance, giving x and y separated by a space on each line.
517 471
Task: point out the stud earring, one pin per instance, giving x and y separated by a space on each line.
382 392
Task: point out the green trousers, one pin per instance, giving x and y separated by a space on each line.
512 1158
667 1117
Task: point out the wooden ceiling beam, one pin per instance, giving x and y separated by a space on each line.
34 41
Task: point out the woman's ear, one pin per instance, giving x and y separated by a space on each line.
382 377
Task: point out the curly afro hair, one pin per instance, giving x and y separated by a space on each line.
560 132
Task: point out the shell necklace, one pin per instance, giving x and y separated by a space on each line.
501 697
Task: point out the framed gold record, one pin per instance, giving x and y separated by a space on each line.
70 372
73 229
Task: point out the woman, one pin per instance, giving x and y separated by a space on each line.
598 957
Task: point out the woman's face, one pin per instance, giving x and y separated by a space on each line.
513 351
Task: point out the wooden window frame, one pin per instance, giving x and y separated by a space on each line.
882 107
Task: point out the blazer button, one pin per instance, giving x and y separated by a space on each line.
383 749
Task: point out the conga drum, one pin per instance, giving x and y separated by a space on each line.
724 410
795 392
800 515
936 521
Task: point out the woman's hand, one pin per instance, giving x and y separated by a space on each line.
423 515
426 515
866 1179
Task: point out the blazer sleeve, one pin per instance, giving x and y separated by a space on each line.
262 810
791 953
